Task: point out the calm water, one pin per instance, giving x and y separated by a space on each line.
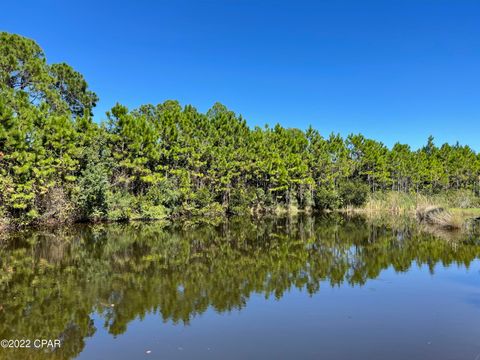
305 288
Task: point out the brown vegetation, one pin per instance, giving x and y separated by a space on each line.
438 216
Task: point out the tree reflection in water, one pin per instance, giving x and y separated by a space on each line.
53 281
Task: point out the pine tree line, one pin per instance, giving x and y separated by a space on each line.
162 160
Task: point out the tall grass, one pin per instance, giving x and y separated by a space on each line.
438 216
396 202
449 210
403 203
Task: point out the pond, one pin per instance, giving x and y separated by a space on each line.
326 287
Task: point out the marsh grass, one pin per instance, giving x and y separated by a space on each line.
473 212
448 211
397 203
437 216
461 201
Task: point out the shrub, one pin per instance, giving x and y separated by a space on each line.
164 193
121 206
353 193
93 187
54 206
241 200
326 199
153 212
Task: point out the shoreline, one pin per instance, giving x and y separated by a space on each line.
465 214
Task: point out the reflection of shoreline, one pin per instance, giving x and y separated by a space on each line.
180 273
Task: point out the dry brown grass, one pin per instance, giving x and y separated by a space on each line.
430 210
438 216
396 203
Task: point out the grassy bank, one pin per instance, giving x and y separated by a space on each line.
168 160
448 210
473 212
460 202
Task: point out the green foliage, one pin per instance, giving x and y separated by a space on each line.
353 193
242 200
164 193
121 206
327 199
168 160
40 144
93 191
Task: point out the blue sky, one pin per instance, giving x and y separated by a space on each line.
394 70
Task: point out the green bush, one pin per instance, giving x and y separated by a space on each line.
164 193
153 212
91 199
353 193
121 206
241 200
326 199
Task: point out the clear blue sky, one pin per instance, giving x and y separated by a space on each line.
390 69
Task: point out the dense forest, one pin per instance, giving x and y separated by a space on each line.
165 160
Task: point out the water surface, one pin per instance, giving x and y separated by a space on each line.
302 288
